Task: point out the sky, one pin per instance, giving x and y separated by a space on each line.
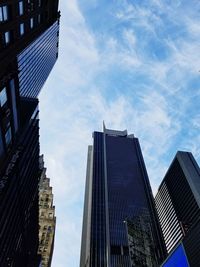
134 64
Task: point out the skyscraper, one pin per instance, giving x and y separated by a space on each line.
118 198
47 219
28 51
178 206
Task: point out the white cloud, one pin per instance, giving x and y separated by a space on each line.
196 122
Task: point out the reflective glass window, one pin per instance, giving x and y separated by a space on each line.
8 136
31 23
21 28
21 8
3 97
7 37
3 13
36 61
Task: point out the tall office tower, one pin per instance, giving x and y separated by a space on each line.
47 219
178 206
28 51
120 226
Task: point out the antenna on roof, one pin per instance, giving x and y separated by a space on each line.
104 126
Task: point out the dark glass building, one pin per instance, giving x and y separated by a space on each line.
178 206
37 60
28 51
118 198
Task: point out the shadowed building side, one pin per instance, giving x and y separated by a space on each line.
29 41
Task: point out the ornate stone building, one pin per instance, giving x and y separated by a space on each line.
47 219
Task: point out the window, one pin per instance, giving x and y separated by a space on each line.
31 23
3 97
8 136
39 2
3 13
6 38
39 19
21 29
21 8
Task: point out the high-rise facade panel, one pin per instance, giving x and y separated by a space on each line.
178 205
19 200
117 195
37 60
23 24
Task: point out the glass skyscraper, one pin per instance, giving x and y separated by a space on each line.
37 60
117 198
178 206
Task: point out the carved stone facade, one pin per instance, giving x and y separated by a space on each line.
47 219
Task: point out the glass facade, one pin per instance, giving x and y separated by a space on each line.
120 193
19 195
127 193
36 61
176 215
98 225
28 50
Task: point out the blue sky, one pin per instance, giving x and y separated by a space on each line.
135 65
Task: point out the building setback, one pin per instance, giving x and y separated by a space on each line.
118 197
47 219
29 35
178 206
